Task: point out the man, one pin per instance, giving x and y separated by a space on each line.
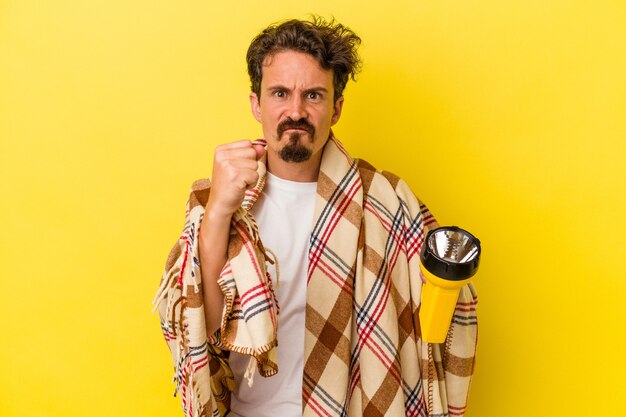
300 264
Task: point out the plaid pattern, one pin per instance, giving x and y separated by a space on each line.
363 351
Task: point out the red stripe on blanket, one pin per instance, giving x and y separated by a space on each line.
315 256
415 245
182 268
456 411
248 245
254 292
355 378
317 408
465 310
257 269
339 280
470 303
366 330
200 363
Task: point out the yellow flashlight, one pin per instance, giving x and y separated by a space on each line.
448 260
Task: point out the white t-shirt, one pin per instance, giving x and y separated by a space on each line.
284 214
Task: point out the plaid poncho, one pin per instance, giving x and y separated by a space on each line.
363 352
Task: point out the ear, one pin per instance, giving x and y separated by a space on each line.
255 106
337 111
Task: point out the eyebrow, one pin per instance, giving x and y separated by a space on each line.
316 89
308 90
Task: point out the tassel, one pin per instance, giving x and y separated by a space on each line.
161 292
249 375
274 261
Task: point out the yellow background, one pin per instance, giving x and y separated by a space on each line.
506 117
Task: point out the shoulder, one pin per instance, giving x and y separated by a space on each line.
375 180
390 190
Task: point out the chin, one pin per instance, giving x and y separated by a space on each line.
295 152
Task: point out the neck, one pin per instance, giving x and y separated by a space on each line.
306 171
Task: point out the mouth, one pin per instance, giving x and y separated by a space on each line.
296 130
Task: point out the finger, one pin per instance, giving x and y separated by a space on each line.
236 153
234 145
249 177
242 164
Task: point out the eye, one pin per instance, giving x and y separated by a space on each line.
280 93
313 95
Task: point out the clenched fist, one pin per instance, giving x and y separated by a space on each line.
234 171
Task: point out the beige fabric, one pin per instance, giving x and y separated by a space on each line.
363 352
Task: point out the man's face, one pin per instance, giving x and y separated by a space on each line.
296 107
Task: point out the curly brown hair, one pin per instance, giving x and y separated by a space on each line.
333 45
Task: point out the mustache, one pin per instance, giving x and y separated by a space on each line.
295 124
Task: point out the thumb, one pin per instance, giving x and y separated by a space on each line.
260 151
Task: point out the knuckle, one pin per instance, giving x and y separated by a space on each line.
220 155
233 175
221 148
227 164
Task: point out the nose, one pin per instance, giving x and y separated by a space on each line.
297 108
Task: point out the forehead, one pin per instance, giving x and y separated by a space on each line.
293 68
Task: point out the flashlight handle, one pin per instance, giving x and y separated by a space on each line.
436 311
438 302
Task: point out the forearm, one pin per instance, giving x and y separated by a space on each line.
213 246
234 171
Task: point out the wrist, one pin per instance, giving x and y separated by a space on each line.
215 223
217 211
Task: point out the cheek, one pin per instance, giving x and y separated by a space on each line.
269 127
324 120
266 119
272 116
